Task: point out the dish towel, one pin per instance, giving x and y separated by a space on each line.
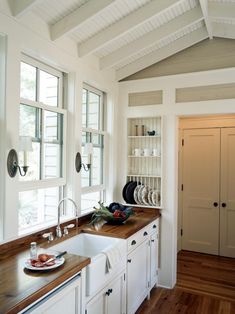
113 257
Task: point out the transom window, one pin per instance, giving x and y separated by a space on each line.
42 118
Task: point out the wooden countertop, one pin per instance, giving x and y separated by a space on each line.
20 287
141 219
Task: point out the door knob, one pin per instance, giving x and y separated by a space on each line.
215 204
224 205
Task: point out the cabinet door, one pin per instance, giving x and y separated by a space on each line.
65 300
137 276
227 196
201 175
98 304
116 301
153 259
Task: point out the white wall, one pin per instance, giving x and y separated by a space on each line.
2 125
170 110
62 54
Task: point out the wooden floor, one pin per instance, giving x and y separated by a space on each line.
205 285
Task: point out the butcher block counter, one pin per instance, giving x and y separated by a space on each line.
20 287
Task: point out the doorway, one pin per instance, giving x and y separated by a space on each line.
207 181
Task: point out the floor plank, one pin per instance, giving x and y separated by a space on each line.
205 285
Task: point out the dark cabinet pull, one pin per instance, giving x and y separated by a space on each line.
133 242
145 233
224 205
215 204
129 261
152 240
107 293
154 226
110 290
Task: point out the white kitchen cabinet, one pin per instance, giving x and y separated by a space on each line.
111 299
64 299
137 276
153 259
142 265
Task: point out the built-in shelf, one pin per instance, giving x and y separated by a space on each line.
143 176
144 136
144 206
144 170
133 156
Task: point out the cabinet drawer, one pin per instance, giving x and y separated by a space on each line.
153 226
137 238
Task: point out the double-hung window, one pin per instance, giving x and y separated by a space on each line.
43 119
93 113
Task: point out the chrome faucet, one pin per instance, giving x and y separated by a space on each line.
58 228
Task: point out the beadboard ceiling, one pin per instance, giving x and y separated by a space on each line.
130 35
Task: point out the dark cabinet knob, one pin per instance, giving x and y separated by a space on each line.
154 226
133 242
145 233
107 293
129 261
215 204
110 290
224 205
152 240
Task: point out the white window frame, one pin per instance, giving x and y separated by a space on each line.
60 182
101 187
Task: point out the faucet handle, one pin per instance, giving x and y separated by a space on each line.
70 226
49 236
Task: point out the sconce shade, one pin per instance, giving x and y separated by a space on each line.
25 144
88 149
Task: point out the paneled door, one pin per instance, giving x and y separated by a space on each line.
227 194
201 187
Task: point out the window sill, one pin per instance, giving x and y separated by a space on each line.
40 227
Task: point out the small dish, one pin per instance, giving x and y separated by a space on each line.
58 263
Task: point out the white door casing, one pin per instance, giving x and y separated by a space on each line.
227 193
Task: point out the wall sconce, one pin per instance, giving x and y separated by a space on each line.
88 150
12 159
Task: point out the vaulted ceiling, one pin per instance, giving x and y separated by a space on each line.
130 35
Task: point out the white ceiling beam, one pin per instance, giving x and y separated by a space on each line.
224 30
222 10
204 7
173 26
76 18
121 27
20 7
162 53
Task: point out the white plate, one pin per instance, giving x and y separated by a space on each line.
140 195
156 198
136 191
144 195
150 197
58 262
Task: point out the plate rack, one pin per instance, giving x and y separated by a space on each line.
144 160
